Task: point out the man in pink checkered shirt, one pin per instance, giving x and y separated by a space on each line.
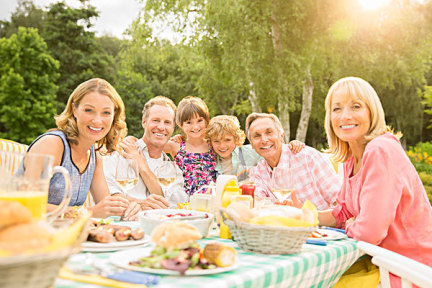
314 177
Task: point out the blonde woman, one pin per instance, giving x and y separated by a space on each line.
94 117
382 200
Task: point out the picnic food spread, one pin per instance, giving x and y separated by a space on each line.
21 234
176 249
275 215
103 232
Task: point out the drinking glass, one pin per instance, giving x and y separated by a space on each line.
244 173
166 173
25 178
282 184
127 173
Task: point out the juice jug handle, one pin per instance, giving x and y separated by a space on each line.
51 216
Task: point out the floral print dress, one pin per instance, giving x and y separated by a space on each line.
198 168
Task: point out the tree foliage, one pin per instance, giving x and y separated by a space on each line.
27 86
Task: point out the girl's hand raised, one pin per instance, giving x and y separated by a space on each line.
296 146
177 138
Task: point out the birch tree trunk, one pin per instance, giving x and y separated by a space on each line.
303 124
254 99
283 98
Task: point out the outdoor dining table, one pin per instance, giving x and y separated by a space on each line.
314 266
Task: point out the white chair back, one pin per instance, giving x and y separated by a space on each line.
410 271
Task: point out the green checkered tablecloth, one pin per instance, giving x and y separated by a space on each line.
315 266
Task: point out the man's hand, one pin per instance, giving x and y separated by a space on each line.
154 202
132 211
293 202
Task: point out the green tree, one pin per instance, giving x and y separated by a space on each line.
27 14
27 90
80 55
157 68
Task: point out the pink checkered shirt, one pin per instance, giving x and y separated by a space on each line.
315 179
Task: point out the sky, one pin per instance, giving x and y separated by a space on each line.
114 15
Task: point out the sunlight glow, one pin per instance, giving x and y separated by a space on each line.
373 4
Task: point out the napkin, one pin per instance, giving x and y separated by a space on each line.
97 280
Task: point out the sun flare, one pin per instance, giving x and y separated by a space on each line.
373 4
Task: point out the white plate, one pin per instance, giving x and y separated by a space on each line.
331 235
122 259
90 246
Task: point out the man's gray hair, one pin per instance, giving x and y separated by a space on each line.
254 116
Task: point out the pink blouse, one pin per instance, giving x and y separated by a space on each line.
389 202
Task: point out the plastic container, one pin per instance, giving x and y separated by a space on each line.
249 189
244 199
230 190
203 202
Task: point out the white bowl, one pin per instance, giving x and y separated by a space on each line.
149 219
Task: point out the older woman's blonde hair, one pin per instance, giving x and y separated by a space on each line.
190 106
222 125
66 121
355 88
254 116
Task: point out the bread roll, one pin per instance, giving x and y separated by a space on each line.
24 237
240 212
175 234
12 212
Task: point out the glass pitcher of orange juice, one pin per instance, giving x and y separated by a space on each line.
29 184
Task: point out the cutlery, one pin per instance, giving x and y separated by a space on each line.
316 242
120 275
334 229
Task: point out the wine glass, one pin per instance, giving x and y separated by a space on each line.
166 173
126 173
282 184
243 174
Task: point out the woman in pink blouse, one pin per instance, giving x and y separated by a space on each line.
382 200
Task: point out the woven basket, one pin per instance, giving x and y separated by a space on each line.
267 239
37 270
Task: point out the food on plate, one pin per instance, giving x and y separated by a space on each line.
219 254
172 215
12 212
175 234
176 249
317 234
102 232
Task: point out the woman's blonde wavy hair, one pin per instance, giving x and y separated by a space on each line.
66 121
355 88
222 125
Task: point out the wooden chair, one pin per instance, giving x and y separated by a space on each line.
410 271
10 162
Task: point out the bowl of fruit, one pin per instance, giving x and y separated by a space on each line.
151 218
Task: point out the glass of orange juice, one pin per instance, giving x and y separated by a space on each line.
25 178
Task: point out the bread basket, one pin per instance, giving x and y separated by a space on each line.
40 270
266 239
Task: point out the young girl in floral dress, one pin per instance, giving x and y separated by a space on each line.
194 155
